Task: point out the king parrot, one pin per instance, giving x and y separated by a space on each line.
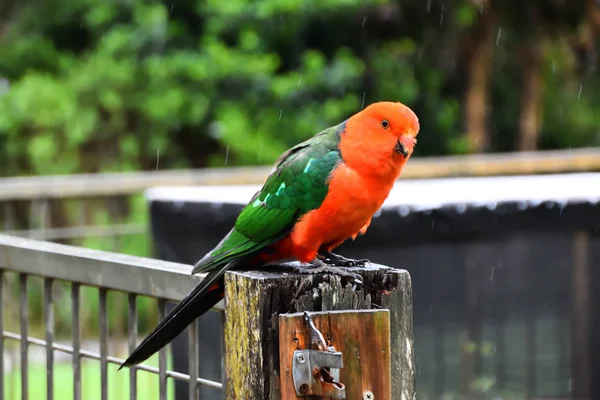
319 193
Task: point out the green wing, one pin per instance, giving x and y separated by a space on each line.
297 185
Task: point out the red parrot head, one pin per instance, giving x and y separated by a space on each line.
380 138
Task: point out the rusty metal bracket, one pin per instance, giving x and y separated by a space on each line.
316 372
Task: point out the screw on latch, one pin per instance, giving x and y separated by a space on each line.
300 358
304 388
368 395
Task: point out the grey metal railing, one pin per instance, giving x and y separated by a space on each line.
108 272
38 222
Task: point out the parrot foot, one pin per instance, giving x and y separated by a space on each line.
319 267
340 261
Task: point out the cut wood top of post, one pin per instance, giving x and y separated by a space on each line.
328 292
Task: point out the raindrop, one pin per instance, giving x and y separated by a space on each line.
428 7
579 94
498 36
553 67
442 15
403 211
593 200
492 273
363 102
430 307
535 202
364 20
280 114
157 158
227 155
481 9
172 5
492 205
299 80
432 223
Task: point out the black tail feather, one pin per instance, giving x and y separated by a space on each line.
201 299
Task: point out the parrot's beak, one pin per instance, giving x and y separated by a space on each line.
406 144
401 149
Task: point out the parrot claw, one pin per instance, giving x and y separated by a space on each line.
340 261
317 266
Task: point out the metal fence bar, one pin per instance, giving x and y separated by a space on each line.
132 339
193 359
39 216
9 216
49 327
1 338
143 276
76 329
103 326
74 232
162 356
24 322
113 360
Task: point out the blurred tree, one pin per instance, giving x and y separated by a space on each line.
479 56
536 25
96 85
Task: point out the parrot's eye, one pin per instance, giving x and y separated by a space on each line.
385 124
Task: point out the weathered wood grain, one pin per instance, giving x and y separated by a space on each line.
363 337
254 300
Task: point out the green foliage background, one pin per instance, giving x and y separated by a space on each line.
111 85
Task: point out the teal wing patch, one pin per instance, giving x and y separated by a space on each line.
297 188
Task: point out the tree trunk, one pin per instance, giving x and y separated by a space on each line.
479 70
530 121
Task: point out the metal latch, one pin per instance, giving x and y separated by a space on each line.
316 371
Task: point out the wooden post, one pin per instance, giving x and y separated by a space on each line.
254 300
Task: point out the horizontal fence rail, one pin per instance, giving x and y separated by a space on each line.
74 232
113 184
107 272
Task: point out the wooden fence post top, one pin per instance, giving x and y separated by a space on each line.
255 299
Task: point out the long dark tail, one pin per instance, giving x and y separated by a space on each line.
201 299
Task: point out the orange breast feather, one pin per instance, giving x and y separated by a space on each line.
351 202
